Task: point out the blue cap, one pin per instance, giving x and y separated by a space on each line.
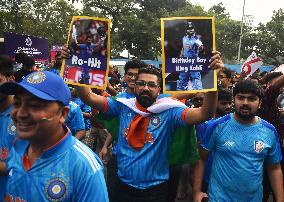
42 84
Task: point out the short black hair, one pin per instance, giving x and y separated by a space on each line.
19 57
135 63
6 66
28 62
225 94
272 75
227 72
151 70
248 86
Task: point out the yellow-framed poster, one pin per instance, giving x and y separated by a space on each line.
187 45
89 45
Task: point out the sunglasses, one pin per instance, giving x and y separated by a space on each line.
130 74
150 84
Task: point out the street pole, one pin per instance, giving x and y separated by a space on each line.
241 35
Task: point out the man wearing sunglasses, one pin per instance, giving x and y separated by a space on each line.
145 133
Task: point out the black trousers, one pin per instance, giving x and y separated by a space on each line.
126 193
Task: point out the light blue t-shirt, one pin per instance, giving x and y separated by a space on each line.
200 133
68 171
239 154
7 136
148 166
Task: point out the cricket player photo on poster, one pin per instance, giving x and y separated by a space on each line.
187 44
89 44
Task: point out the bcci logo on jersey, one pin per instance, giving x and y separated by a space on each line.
56 189
155 120
258 146
12 129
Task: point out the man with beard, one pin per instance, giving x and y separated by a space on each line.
146 128
7 127
241 142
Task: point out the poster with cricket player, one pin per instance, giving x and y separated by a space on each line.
89 45
187 45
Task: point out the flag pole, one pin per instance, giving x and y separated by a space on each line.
241 35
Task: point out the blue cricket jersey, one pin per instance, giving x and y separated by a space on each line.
200 134
7 136
75 120
68 171
239 154
84 108
148 166
191 46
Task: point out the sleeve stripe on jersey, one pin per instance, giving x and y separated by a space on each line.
93 162
184 112
90 154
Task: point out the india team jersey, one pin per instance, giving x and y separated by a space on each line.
68 171
239 154
148 166
191 46
7 136
75 120
84 108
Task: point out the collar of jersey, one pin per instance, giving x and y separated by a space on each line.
59 147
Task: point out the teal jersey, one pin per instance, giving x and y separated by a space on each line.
239 154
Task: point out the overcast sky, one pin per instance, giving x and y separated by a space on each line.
262 10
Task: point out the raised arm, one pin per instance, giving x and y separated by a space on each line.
88 97
207 110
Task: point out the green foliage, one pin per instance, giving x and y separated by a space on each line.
270 39
136 25
47 19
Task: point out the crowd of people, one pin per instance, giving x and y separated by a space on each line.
133 143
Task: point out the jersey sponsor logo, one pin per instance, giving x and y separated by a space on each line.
155 120
12 129
229 143
258 146
56 189
36 78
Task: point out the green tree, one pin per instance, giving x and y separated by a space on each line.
270 39
47 19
